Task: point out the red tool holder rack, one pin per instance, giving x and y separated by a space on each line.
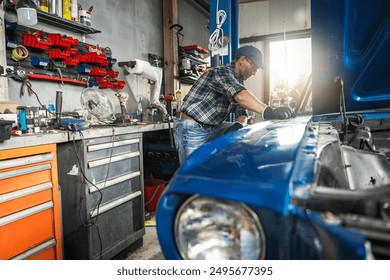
34 41
112 73
59 40
97 71
66 53
58 54
55 79
71 61
100 59
107 82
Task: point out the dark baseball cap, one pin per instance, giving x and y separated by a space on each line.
254 54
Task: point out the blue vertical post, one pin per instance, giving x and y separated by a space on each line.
229 27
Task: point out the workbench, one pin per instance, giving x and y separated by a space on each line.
95 194
61 136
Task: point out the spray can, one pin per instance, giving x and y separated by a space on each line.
22 121
66 9
52 6
178 100
58 10
75 10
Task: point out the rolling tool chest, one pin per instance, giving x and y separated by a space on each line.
102 195
30 215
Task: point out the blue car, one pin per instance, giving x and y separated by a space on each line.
316 186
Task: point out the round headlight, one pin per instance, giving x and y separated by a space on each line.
208 228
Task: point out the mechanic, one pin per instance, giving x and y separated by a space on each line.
216 94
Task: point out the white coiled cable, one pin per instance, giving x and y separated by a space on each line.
213 40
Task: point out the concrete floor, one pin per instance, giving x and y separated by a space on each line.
150 248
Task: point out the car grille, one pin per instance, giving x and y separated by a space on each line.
376 230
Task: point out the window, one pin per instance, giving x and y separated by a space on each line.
290 68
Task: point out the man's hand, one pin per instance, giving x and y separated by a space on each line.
279 113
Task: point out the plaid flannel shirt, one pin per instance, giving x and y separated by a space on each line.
210 100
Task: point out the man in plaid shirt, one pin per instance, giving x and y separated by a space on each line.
216 94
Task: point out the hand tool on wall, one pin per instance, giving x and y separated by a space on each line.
57 122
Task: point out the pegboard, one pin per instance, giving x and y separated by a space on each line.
59 58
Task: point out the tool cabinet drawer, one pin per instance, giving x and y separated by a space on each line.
24 230
23 199
19 176
114 187
46 254
105 148
126 211
102 170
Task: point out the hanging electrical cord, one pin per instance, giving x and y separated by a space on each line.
90 220
214 41
26 84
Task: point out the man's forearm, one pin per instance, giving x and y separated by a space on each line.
249 101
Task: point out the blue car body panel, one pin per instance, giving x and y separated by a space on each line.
350 39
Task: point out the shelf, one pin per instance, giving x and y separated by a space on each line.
57 21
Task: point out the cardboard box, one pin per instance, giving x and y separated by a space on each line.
8 105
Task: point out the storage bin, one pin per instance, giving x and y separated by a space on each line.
5 130
153 190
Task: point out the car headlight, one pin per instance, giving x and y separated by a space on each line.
208 228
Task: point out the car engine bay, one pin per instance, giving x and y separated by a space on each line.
352 187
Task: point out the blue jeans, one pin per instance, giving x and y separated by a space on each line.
190 135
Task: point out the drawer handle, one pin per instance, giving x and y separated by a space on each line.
115 203
109 145
25 213
25 192
25 160
104 161
112 182
36 250
24 171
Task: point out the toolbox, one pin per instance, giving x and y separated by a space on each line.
5 130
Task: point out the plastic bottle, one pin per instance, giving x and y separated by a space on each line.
52 6
58 8
51 106
66 9
75 10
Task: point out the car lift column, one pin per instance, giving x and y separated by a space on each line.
229 28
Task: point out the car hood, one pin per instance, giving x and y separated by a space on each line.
254 160
350 40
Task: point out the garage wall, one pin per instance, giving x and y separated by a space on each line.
195 24
273 16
